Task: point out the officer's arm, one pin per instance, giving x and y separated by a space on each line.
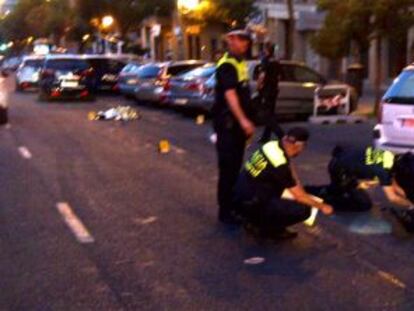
393 195
301 196
234 104
295 174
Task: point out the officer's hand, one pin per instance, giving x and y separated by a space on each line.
327 209
248 127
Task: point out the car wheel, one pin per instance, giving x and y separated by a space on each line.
18 88
43 97
90 98
303 117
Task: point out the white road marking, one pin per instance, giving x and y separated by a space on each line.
25 153
254 261
74 223
179 150
390 278
145 221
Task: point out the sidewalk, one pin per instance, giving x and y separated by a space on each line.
366 106
366 103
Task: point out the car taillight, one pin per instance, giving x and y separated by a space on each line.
164 83
167 85
193 86
47 73
87 73
380 112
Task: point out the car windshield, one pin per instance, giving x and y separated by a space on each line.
147 72
67 64
402 90
301 74
175 70
34 63
198 73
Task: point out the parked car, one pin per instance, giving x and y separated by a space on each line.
155 82
128 79
10 65
395 129
107 69
66 76
28 73
296 89
191 88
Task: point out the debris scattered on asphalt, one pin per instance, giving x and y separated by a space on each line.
254 261
120 113
164 146
201 119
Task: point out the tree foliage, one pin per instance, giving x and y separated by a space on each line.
40 18
359 22
227 12
37 18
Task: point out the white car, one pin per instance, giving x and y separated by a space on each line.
28 73
395 129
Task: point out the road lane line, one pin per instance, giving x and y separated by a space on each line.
74 223
25 153
390 278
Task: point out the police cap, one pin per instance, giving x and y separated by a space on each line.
241 33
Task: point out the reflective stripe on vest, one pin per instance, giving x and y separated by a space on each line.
274 153
379 157
241 67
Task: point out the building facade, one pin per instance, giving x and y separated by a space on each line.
308 20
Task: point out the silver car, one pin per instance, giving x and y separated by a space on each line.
128 79
192 89
154 84
297 87
28 73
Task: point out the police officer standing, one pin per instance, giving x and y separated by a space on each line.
268 85
231 118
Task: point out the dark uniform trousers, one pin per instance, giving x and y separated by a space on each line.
231 143
343 192
270 213
276 214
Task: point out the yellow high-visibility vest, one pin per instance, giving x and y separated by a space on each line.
241 67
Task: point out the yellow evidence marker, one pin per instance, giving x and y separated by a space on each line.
92 116
164 146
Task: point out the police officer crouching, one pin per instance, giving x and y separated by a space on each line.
231 119
264 178
352 170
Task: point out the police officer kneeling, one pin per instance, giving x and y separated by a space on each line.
394 173
262 182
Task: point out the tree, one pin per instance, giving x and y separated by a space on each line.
37 18
359 23
231 13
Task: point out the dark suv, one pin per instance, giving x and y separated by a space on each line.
66 77
107 70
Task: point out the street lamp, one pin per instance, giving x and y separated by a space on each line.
107 21
188 5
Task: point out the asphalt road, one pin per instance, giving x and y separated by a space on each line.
146 235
